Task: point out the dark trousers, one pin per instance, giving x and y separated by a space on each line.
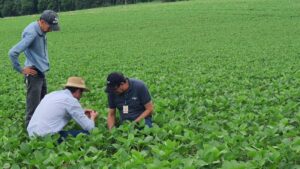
74 133
148 122
36 90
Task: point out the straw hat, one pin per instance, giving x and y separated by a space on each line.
77 82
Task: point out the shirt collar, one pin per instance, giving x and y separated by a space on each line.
68 92
130 85
38 29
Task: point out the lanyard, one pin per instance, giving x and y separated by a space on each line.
125 97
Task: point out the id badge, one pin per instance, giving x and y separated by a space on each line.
125 109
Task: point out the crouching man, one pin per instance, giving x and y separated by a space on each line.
56 109
131 97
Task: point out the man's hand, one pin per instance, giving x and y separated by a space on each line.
91 114
148 111
29 71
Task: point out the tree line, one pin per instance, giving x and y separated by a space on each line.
27 7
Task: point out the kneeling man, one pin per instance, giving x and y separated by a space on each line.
131 97
56 109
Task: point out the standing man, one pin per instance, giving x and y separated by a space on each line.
131 97
34 46
58 108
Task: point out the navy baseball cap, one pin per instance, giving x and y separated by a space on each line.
51 18
114 80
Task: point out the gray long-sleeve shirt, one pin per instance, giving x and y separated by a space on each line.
55 111
34 46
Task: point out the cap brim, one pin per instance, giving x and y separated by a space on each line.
109 89
55 27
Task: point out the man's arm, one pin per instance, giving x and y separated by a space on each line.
148 111
145 97
78 114
111 118
15 51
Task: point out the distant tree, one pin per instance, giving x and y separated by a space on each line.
98 3
54 5
1 12
35 6
67 5
168 0
107 2
42 5
95 3
113 2
80 4
27 7
8 8
18 7
1 7
117 2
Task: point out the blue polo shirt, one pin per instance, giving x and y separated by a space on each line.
34 46
135 98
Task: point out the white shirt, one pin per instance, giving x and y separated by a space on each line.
54 111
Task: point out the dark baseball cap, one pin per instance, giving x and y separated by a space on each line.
51 18
114 80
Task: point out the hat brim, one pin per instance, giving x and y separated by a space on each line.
79 87
55 27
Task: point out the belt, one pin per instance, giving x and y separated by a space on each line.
39 73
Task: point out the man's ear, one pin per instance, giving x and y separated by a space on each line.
43 21
80 90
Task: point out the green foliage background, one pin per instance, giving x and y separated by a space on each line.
224 77
27 7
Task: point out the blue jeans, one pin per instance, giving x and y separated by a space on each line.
74 133
148 122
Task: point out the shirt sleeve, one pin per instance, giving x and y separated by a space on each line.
111 103
77 113
15 51
144 94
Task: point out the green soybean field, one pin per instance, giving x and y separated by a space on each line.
224 76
